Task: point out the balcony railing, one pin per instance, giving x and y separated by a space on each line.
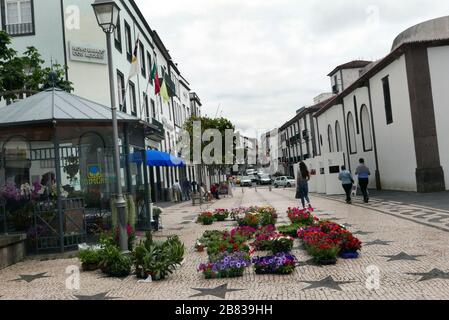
19 29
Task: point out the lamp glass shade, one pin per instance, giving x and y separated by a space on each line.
107 13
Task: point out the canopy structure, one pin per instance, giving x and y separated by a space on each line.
158 159
57 105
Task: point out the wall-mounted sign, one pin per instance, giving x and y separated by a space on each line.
94 176
86 53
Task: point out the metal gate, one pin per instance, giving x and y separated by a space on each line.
58 230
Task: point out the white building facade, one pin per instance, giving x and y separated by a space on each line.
66 32
392 113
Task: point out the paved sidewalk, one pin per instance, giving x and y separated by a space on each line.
412 258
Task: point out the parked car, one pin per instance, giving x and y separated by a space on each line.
254 178
264 179
246 182
286 182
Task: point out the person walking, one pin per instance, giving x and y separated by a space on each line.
302 185
347 182
186 189
363 173
177 191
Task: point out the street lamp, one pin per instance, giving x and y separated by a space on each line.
107 14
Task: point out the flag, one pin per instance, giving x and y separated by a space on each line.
155 78
164 92
135 66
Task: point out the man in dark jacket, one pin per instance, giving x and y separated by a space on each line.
363 173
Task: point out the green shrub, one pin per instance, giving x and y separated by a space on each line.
114 263
158 259
90 259
174 249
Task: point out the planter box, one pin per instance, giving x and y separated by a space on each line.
12 249
349 255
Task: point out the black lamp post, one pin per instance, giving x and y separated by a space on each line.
107 14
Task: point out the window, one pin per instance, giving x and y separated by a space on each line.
153 108
18 17
143 65
387 98
132 98
338 136
150 66
128 40
121 91
330 137
118 36
352 134
147 108
366 129
356 114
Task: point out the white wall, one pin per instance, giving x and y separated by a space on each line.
395 142
48 38
439 72
350 76
362 97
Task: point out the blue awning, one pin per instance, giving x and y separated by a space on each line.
158 159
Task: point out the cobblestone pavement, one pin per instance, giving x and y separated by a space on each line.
424 215
410 255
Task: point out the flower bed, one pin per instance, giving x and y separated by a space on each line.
326 241
227 243
208 237
281 264
257 216
301 216
229 265
245 232
263 238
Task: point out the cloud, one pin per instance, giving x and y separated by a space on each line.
261 60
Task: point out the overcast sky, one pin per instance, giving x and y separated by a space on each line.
259 61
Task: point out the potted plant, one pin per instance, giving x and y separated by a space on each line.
206 218
114 263
267 216
281 263
246 233
221 215
323 250
228 265
90 259
249 220
301 216
158 260
350 246
290 230
281 244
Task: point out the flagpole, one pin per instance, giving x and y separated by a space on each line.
124 97
146 93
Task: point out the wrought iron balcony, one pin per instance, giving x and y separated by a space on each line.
19 29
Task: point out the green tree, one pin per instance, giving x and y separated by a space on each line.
26 73
221 124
